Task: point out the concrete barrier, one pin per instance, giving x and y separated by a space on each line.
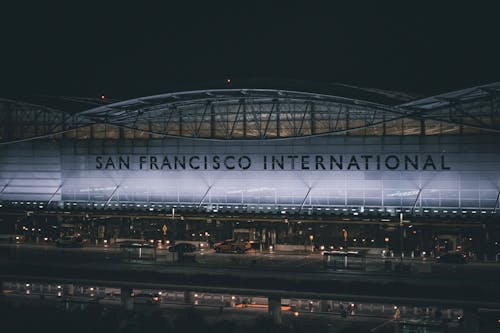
292 248
369 251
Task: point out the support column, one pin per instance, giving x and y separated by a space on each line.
189 297
69 289
274 308
471 321
323 305
127 300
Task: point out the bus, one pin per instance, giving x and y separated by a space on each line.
344 259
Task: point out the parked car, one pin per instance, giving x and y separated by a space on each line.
232 246
69 241
147 298
12 238
453 258
182 247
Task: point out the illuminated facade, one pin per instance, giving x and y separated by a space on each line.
258 151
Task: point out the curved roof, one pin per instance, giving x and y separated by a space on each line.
240 113
468 95
477 107
225 114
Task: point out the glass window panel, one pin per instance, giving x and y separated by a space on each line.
394 127
411 127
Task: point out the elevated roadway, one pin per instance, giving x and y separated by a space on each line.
469 285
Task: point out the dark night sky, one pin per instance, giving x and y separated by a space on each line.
129 50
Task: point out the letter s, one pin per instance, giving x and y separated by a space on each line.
98 162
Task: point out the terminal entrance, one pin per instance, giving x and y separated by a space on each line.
388 239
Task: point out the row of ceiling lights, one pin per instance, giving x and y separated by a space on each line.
282 210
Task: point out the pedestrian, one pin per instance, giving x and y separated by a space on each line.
397 314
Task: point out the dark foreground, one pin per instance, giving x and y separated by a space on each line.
32 318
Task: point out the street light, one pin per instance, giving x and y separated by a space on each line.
401 230
386 240
344 234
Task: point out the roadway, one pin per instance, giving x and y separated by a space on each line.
259 274
216 307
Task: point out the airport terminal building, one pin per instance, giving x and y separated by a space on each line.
257 154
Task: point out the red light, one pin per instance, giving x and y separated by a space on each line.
103 97
228 81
